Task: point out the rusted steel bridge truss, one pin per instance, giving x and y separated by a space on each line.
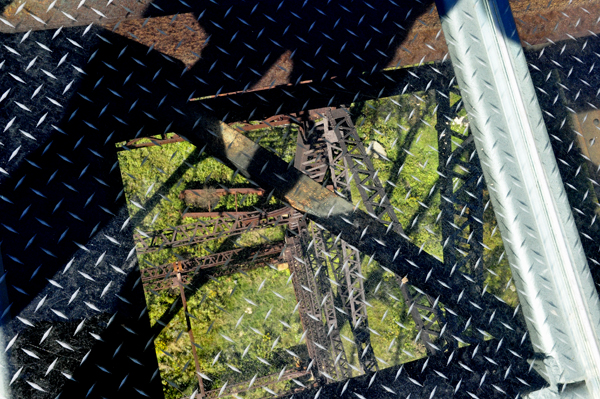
331 151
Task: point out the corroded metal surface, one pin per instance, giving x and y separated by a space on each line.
537 23
22 15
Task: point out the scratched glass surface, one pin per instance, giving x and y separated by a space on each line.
140 260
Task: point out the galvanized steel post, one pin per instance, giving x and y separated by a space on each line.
549 267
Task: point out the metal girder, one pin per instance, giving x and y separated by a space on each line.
345 262
313 158
161 277
321 298
309 309
311 155
348 160
320 270
549 266
202 231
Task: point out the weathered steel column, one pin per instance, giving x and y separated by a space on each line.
549 267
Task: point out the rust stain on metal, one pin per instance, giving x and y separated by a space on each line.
48 14
536 23
178 36
279 73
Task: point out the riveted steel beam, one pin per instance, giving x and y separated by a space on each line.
549 266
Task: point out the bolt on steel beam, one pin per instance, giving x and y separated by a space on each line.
549 267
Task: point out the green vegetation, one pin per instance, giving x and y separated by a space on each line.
226 310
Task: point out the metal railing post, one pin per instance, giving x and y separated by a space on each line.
549 267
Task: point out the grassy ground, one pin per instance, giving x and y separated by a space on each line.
225 310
